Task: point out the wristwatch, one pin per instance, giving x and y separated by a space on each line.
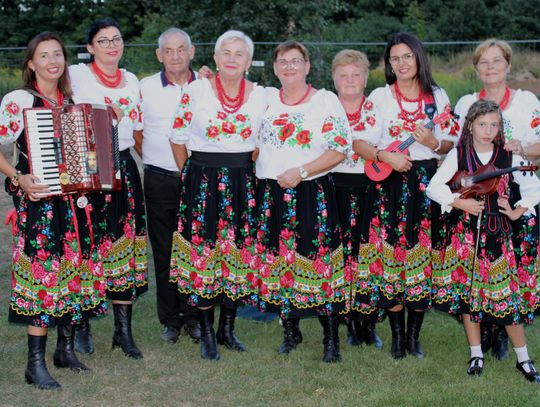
303 173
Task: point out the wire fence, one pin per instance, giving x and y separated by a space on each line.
450 58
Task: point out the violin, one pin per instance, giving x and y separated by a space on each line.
484 181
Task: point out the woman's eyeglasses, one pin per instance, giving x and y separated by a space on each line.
106 43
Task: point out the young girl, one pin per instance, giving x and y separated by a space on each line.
485 283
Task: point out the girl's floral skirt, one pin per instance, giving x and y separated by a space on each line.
302 267
498 285
355 195
213 257
123 223
402 225
57 275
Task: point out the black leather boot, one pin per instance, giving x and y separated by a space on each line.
192 327
225 333
486 336
500 343
36 370
369 335
353 336
297 334
414 325
122 336
64 355
397 326
83 338
330 326
209 349
289 335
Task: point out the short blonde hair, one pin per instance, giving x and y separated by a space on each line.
492 42
348 57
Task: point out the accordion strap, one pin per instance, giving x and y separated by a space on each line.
49 100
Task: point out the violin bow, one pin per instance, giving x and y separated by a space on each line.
478 223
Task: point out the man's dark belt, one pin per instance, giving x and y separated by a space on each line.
160 170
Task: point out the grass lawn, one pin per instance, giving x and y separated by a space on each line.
175 375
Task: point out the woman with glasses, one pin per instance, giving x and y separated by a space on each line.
124 244
213 257
304 134
57 276
404 220
492 61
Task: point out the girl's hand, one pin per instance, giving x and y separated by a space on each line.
399 162
504 207
30 184
290 178
471 206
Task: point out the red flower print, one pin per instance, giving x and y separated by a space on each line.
123 101
245 133
327 127
371 121
133 114
394 131
303 137
188 116
286 131
340 140
178 123
221 116
286 280
75 285
409 126
376 268
42 255
108 100
48 301
228 127
14 126
241 118
12 108
359 127
355 157
535 122
368 105
42 294
185 99
279 122
213 132
3 130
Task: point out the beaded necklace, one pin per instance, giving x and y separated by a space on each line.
299 101
111 81
230 104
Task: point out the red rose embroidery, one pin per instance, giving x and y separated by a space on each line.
279 122
409 126
108 100
394 131
221 116
3 130
185 99
12 108
241 118
14 126
368 105
133 114
340 140
178 123
245 133
188 116
228 127
371 121
303 137
535 122
213 131
123 101
286 131
327 127
360 127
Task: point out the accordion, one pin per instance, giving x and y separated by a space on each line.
73 148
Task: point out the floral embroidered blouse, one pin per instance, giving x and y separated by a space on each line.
11 114
291 136
201 123
86 89
439 191
389 127
521 118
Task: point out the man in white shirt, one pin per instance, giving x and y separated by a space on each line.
160 96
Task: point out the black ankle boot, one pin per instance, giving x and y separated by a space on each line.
369 335
486 336
290 335
64 355
330 326
414 325
122 331
500 343
83 338
397 326
209 349
225 333
36 370
354 338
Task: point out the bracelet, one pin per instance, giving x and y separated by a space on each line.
15 178
436 150
377 156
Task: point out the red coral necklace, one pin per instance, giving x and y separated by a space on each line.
230 104
299 101
354 118
416 114
111 81
504 101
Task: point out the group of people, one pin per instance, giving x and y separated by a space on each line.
276 198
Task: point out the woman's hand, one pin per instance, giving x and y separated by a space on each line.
206 72
399 162
290 178
425 136
469 205
515 147
117 112
504 207
30 184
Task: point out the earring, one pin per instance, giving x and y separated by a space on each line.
392 70
246 73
